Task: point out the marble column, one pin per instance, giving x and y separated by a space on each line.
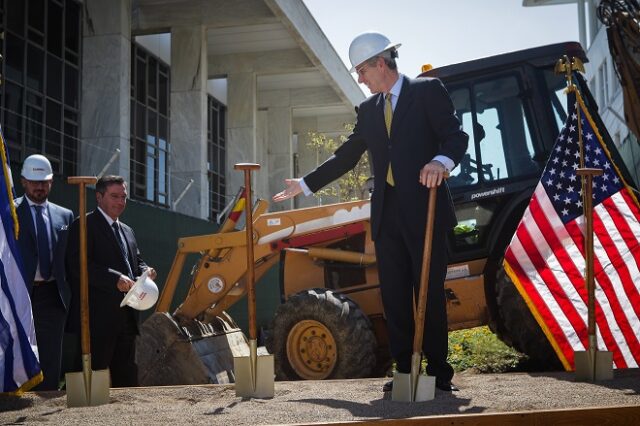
189 120
106 86
308 158
261 186
280 153
241 127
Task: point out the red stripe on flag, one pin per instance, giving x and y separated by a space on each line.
632 204
605 284
531 293
624 317
618 262
568 268
578 322
626 233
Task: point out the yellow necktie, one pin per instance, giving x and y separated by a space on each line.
388 116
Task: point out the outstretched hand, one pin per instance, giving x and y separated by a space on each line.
293 188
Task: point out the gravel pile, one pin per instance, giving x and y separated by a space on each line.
323 401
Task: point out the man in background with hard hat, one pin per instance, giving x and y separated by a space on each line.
410 129
42 241
113 263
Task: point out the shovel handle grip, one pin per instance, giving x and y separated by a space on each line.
251 276
246 166
82 182
86 180
421 309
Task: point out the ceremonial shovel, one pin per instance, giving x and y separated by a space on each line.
254 374
85 388
416 387
592 364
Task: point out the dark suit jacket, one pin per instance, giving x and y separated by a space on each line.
424 125
103 253
60 219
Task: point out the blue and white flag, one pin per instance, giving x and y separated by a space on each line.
19 366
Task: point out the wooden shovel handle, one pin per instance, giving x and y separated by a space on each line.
82 181
251 277
424 276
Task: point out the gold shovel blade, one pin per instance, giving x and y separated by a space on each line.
593 366
406 389
81 395
254 381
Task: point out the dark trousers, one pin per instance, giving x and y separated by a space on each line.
399 250
49 316
116 351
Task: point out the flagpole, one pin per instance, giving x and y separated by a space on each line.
587 174
591 365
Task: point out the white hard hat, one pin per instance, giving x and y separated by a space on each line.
36 167
143 294
366 46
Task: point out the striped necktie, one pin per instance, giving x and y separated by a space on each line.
388 116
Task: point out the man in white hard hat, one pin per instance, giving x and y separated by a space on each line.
114 262
410 129
42 242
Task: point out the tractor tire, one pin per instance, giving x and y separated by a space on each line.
520 330
320 334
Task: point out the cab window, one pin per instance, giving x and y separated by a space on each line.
501 146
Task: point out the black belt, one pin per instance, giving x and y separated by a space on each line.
39 283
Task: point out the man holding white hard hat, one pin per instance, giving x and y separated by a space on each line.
410 129
111 247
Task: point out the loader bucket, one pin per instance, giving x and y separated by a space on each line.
170 354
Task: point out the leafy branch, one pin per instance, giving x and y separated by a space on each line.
351 185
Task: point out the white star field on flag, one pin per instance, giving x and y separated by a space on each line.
559 178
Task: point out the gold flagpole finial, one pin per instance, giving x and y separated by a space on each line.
567 66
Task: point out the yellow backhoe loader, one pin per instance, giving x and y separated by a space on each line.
197 343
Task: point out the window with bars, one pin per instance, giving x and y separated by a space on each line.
40 94
216 155
150 95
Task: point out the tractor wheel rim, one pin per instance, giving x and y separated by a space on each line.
311 349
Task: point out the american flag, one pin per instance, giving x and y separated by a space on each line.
546 260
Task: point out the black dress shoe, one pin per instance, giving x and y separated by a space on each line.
446 385
387 387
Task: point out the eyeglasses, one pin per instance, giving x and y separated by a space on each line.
368 64
363 69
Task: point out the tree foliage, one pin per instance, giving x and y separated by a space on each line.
351 186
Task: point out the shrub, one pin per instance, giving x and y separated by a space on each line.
479 349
